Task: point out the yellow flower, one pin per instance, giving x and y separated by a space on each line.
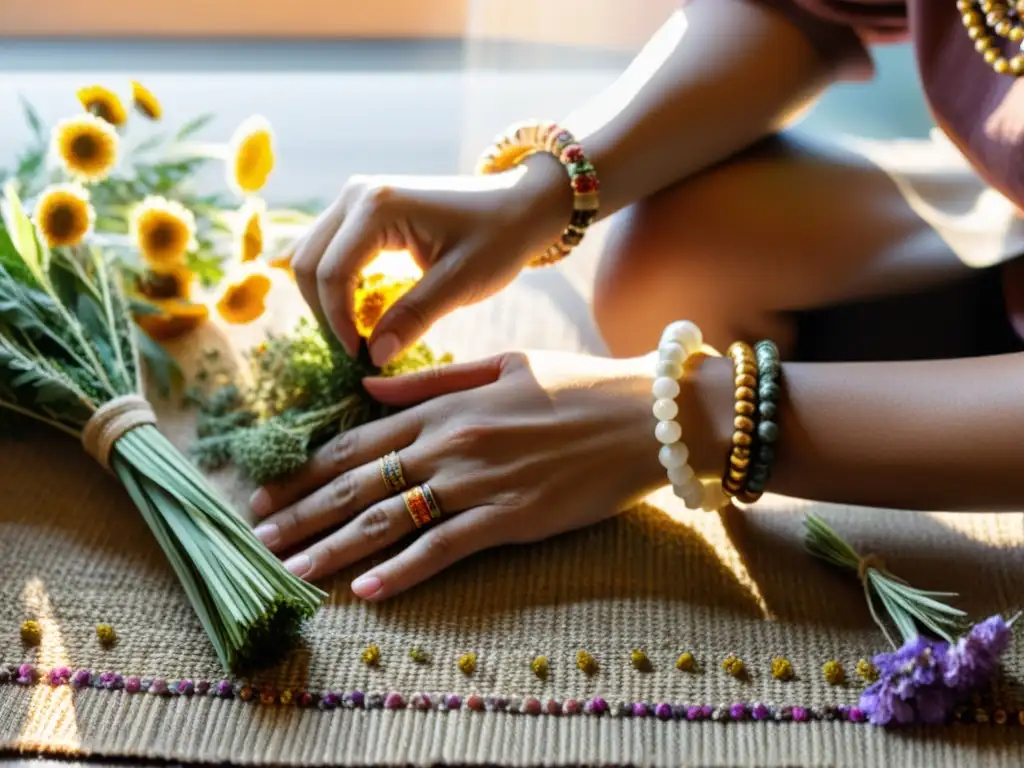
86 146
467 663
174 318
106 634
31 632
250 246
640 660
64 215
782 668
867 670
244 301
540 667
586 663
734 666
164 231
103 103
371 655
374 296
145 102
686 662
173 284
252 156
834 672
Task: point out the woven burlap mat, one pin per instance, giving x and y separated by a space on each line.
74 552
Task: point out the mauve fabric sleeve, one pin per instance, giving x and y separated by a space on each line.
838 43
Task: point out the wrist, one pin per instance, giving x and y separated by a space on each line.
706 403
540 202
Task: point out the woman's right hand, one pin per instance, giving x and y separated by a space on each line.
470 235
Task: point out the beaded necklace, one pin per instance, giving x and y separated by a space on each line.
988 20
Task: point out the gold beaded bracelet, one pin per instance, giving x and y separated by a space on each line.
745 381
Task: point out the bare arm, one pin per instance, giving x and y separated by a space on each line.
935 435
717 77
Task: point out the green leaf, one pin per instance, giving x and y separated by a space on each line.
150 144
192 127
161 366
207 266
21 231
33 119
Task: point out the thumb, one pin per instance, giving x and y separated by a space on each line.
413 388
442 288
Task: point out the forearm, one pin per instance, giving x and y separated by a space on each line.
718 76
942 435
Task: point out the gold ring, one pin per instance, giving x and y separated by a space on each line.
391 473
416 504
428 496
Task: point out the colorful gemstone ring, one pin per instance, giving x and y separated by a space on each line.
422 505
391 473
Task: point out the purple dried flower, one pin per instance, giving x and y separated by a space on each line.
132 684
224 689
109 680
800 714
186 688
357 699
693 713
394 701
203 687
158 686
856 715
760 712
452 701
26 674
706 711
738 711
598 705
972 661
81 678
663 711
640 709
330 701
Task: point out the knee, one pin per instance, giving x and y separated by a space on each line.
652 271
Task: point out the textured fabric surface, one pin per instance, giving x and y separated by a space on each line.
74 552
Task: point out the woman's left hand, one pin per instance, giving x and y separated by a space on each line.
515 448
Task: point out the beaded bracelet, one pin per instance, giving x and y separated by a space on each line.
769 390
745 381
679 342
525 139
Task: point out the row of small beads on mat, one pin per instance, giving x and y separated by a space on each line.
32 634
28 675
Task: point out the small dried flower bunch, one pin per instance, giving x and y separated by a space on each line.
941 660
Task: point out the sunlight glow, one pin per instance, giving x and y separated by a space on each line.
50 720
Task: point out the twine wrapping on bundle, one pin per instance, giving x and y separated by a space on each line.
111 421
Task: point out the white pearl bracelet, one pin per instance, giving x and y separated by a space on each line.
679 341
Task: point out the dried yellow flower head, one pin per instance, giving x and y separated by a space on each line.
245 300
586 663
686 662
252 156
374 296
834 672
164 231
286 697
418 655
781 668
467 663
86 147
64 215
31 632
867 670
639 660
144 101
103 103
733 665
106 634
370 655
540 667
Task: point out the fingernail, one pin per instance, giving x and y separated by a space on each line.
268 533
259 502
299 565
384 349
366 586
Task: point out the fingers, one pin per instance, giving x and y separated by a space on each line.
310 249
439 547
336 501
442 288
353 246
382 525
351 449
415 388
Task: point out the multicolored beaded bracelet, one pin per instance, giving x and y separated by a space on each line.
745 372
769 390
525 139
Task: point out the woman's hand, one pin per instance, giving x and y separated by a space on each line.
515 448
470 235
